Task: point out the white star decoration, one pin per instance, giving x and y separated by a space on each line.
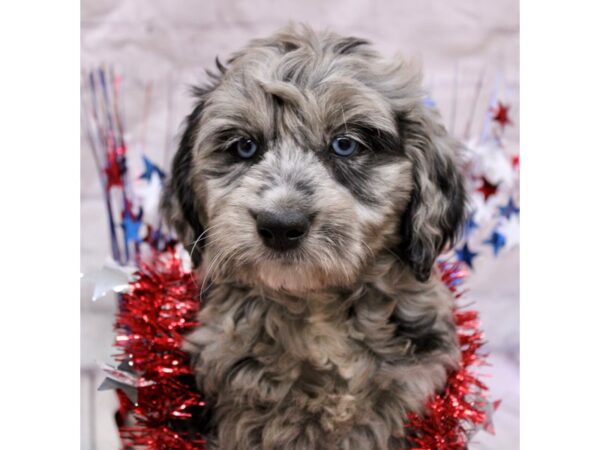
111 277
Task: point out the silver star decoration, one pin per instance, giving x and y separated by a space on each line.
111 277
124 378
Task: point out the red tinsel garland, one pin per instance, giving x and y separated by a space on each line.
462 408
162 305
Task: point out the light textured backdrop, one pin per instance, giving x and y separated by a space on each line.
169 42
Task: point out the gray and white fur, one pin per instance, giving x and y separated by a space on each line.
328 342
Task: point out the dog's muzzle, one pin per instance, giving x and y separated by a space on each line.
282 230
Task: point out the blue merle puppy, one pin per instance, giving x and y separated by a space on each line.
316 190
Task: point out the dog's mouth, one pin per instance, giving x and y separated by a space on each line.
295 270
288 258
283 274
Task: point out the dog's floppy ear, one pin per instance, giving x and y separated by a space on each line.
436 211
179 204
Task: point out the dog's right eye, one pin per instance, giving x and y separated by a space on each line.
344 146
246 148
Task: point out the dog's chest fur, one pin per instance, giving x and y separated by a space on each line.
333 371
326 343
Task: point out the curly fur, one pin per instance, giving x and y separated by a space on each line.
331 345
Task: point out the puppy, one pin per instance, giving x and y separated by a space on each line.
316 190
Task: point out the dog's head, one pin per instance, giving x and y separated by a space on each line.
306 158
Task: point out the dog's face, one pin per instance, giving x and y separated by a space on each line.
306 159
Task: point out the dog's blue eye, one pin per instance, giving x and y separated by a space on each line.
246 148
344 146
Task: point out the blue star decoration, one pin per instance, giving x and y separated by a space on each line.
470 225
131 227
497 240
509 209
466 255
151 168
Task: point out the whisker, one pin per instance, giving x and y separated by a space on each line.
222 264
204 232
217 261
199 238
207 274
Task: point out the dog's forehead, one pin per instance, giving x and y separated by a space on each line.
263 97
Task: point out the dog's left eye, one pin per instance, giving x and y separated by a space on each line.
246 148
344 145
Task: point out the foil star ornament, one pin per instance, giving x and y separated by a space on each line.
149 169
124 378
489 425
497 240
131 227
509 209
113 171
487 189
490 408
501 114
466 255
111 277
515 160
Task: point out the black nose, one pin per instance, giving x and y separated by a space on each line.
283 230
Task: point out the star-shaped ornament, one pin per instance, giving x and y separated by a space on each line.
466 255
113 172
501 114
123 378
497 240
515 160
131 227
149 169
487 189
488 426
111 277
510 209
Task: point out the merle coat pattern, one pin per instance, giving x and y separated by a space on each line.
330 344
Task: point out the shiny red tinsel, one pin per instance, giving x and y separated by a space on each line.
452 416
162 305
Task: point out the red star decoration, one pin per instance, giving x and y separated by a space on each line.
516 161
501 115
113 174
487 189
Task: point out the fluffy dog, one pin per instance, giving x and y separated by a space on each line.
316 191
